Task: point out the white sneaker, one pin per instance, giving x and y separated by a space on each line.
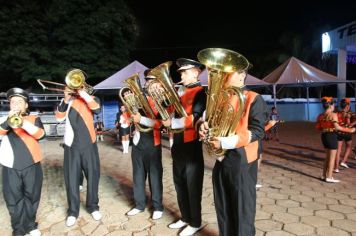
343 164
336 170
189 230
70 221
80 188
177 225
133 211
35 232
96 215
157 215
258 185
332 180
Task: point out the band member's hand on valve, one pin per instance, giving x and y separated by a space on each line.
167 123
203 131
136 117
215 143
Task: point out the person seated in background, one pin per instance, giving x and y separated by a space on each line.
273 132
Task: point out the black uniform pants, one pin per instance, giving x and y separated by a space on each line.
188 174
234 184
147 161
75 161
22 193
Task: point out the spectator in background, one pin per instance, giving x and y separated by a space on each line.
327 123
124 129
99 129
344 117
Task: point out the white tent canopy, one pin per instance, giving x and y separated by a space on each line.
294 72
116 81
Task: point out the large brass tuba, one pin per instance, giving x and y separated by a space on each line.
134 99
162 91
222 116
75 79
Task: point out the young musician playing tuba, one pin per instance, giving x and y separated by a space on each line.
235 172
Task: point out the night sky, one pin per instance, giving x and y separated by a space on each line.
173 29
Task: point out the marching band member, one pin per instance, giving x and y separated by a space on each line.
124 129
147 161
327 123
344 118
187 154
21 159
235 173
80 151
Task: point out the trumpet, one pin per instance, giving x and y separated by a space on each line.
75 80
15 120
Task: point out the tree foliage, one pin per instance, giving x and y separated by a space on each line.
44 39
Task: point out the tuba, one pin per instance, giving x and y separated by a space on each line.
222 116
134 99
162 91
15 121
75 79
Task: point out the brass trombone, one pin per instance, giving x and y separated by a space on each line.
75 80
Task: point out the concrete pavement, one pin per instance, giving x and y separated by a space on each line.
292 201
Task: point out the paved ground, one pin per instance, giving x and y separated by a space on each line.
292 201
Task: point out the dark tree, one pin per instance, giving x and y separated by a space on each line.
44 39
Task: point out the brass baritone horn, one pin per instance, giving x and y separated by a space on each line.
75 79
162 90
15 121
134 99
222 115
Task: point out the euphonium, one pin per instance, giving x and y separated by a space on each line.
222 115
15 121
162 90
134 99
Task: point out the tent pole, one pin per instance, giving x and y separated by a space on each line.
355 96
102 110
274 95
308 104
